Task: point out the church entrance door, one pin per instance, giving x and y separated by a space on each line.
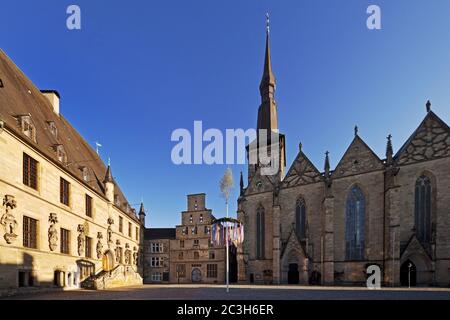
293 274
196 275
408 274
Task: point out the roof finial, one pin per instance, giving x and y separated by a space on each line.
327 164
428 105
267 23
109 161
356 130
300 146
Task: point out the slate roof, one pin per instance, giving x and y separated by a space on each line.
159 233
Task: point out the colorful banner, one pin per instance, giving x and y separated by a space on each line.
223 227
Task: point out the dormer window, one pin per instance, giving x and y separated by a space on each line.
116 200
28 127
61 153
53 129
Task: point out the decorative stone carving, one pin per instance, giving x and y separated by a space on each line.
81 239
118 252
8 220
53 232
109 233
99 245
127 254
135 256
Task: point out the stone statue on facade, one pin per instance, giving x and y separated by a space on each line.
53 232
8 220
81 239
99 245
109 233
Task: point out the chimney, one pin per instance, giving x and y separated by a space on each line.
53 97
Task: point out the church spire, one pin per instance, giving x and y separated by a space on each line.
267 113
268 82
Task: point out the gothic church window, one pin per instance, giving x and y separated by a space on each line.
260 232
300 219
422 209
355 224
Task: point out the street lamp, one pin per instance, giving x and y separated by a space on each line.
409 274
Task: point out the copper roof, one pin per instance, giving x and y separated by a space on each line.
19 96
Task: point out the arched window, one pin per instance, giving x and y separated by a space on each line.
300 219
260 226
354 224
422 209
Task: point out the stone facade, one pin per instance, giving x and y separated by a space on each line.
187 255
50 238
389 209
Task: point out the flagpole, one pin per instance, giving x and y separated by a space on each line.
227 253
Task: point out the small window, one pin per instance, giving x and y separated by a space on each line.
157 276
120 224
137 233
191 219
194 230
30 171
196 255
130 228
180 256
207 230
195 205
212 255
211 270
181 270
89 206
196 243
201 218
65 241
29 232
88 247
64 191
156 262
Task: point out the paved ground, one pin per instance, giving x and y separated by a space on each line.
203 292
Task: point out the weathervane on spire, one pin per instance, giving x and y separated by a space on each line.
267 23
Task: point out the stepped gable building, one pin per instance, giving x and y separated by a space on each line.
185 254
326 226
64 220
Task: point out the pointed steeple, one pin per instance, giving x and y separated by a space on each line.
327 165
267 113
108 176
389 150
142 209
241 184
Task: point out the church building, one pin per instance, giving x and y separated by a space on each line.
311 226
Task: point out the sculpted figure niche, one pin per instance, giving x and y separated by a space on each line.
110 232
99 245
53 232
8 220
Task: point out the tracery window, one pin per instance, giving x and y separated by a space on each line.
355 224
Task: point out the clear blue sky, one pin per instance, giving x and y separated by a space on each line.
140 69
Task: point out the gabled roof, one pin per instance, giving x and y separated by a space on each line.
431 140
301 172
358 158
19 96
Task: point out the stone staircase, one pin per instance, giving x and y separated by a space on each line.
120 276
